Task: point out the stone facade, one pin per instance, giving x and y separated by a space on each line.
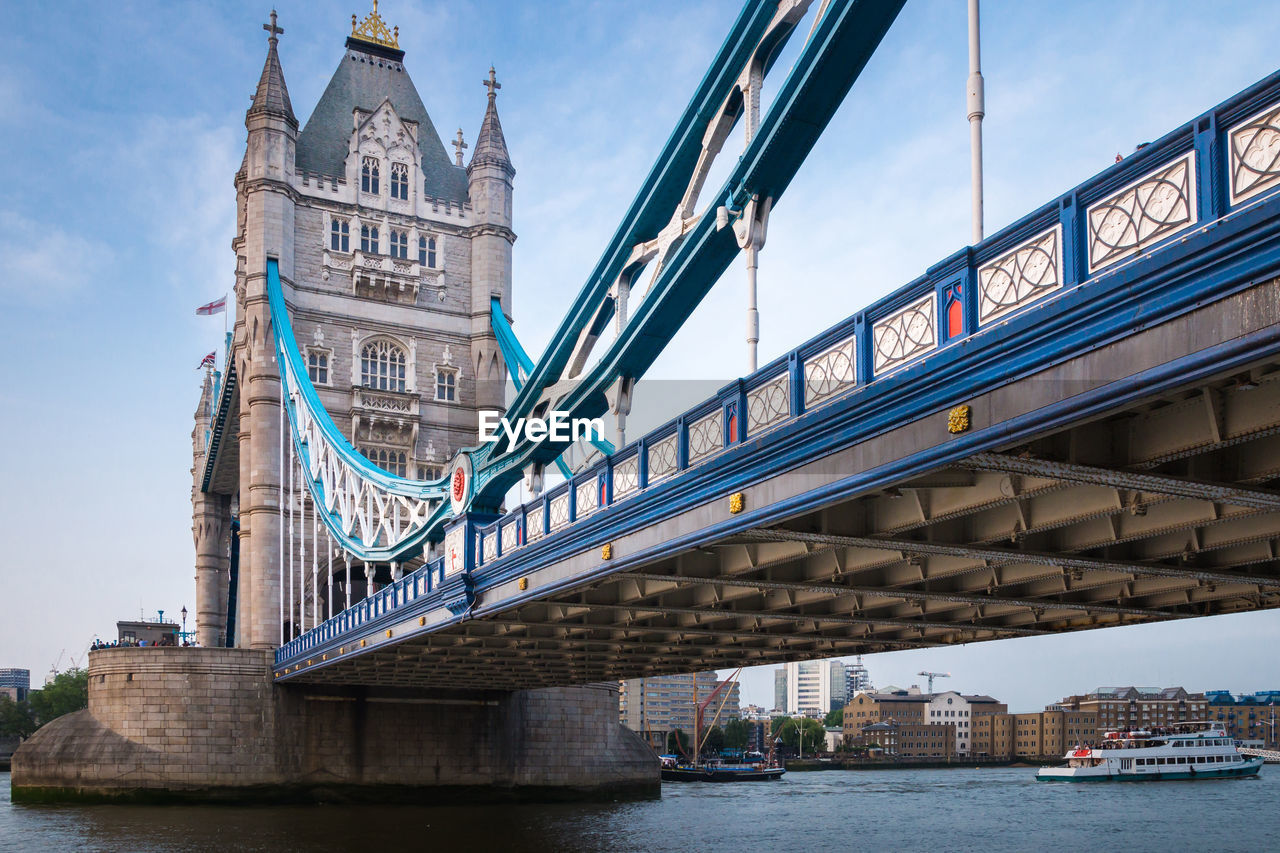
207 724
390 253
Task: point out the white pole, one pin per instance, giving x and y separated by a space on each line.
293 629
302 550
280 525
329 598
315 565
347 583
752 121
977 109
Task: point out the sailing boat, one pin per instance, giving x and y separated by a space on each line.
693 769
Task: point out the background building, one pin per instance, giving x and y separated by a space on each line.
151 633
15 683
905 740
856 678
1139 707
1247 716
962 711
653 707
812 687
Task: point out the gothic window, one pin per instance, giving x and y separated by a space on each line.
369 173
369 239
400 181
429 472
427 252
388 459
382 366
318 366
399 243
447 385
340 235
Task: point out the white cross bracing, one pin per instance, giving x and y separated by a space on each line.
368 513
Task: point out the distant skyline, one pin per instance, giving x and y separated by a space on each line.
117 212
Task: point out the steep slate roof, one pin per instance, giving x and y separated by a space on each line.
363 79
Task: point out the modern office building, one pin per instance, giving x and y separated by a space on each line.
812 687
856 678
15 683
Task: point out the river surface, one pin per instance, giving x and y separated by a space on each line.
988 809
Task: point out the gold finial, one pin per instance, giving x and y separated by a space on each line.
374 29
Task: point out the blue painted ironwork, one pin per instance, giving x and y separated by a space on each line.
1240 245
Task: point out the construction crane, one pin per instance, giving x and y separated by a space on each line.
932 675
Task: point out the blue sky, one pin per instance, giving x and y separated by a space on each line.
125 124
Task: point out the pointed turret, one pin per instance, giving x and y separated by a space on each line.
272 96
491 146
489 178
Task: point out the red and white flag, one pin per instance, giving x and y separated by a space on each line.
217 306
208 361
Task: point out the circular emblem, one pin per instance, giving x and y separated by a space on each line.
460 484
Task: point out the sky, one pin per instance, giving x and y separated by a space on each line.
125 124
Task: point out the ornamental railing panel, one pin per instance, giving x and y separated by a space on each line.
1156 206
1028 272
905 335
831 372
1255 154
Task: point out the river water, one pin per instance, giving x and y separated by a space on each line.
988 809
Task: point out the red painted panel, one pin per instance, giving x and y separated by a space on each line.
955 318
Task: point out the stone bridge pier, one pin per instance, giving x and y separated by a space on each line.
174 724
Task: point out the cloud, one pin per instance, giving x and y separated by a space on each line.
43 263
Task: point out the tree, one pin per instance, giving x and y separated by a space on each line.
714 740
15 719
735 734
834 718
791 732
67 692
677 742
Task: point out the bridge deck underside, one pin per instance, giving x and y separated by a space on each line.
1164 507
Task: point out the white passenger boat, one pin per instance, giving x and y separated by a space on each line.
1181 751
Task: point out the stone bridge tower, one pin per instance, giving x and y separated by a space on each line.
390 253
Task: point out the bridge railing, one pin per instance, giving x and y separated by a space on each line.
1193 176
1210 168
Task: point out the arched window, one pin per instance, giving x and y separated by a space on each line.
369 239
400 181
399 243
382 366
427 252
340 235
369 172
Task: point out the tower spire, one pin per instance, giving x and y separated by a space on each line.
491 146
272 96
